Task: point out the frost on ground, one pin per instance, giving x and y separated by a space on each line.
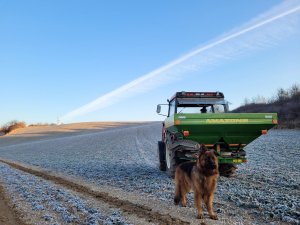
50 204
267 187
269 184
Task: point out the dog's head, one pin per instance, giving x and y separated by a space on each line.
207 161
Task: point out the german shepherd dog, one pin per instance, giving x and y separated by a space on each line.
201 177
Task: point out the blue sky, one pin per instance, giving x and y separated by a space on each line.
56 56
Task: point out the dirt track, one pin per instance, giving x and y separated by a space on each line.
7 215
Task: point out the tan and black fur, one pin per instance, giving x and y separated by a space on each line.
201 177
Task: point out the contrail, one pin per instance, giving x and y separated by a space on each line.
133 86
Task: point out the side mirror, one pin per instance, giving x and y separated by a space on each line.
158 109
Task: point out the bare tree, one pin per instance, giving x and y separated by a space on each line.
259 99
294 90
247 101
282 95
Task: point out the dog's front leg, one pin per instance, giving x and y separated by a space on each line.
209 204
198 204
183 200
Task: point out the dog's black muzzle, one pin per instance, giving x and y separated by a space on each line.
210 165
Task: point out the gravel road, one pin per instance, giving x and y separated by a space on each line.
266 190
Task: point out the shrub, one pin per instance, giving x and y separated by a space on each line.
41 124
12 125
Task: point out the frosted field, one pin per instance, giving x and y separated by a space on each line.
267 188
50 203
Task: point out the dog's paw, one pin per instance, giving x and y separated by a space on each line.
200 216
213 217
176 200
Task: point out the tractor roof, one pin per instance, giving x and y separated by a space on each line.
184 94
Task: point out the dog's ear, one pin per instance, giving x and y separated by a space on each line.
202 149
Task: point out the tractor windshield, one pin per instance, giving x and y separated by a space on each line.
201 105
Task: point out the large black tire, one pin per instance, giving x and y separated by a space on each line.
162 155
171 161
227 169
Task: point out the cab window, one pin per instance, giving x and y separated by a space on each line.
172 108
219 108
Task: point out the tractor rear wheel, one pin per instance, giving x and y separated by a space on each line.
227 169
171 161
162 155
